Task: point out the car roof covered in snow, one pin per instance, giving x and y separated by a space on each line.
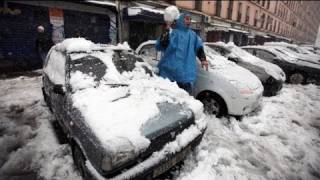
83 45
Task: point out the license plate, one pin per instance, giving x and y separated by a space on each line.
171 162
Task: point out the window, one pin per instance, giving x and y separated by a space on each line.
218 8
265 55
268 4
230 9
170 2
247 15
88 65
198 5
239 12
255 18
262 20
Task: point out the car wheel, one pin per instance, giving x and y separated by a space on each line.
213 104
79 161
297 78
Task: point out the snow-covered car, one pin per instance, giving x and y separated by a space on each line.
225 88
297 70
311 48
297 51
121 120
271 75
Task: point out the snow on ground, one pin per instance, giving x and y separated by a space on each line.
281 140
28 146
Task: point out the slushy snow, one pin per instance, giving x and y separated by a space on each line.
279 141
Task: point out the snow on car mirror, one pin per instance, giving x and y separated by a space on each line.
233 58
158 56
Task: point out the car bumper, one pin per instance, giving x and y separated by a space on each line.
161 161
243 105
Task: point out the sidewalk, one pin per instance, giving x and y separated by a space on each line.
33 73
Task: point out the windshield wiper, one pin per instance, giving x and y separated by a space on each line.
117 84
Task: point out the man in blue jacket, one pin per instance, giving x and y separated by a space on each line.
180 46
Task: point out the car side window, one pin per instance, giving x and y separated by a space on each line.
265 55
217 49
55 67
149 51
249 50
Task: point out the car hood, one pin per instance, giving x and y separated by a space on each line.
230 71
117 113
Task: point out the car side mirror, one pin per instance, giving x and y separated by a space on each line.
234 59
275 59
58 89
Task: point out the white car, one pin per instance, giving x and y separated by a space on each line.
225 88
271 75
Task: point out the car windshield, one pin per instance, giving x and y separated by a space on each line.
99 67
89 65
286 53
240 52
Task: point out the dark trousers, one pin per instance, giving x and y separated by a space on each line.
186 86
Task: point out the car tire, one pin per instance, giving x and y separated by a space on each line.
297 78
213 104
80 162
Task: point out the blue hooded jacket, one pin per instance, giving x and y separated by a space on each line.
178 62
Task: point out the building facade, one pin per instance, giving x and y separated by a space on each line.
256 21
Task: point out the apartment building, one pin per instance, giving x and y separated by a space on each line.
254 21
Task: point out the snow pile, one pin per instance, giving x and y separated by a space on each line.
80 80
29 148
280 141
171 13
280 44
75 45
133 11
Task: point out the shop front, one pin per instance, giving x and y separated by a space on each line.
19 21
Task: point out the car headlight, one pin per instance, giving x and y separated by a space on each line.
243 88
122 152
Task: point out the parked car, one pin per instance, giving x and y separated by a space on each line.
296 50
271 76
225 88
311 48
122 121
298 71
